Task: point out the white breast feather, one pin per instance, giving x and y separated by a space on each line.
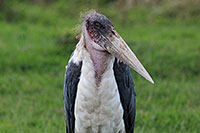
97 108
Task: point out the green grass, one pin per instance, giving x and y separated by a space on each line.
33 58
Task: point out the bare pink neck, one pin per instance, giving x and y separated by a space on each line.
100 61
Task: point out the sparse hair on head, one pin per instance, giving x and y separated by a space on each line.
85 14
78 28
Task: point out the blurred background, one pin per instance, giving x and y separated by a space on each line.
37 38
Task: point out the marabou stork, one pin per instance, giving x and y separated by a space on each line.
99 92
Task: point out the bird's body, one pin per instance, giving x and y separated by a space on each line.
97 105
99 93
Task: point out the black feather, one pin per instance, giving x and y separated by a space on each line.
72 77
125 85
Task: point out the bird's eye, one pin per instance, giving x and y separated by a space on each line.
98 25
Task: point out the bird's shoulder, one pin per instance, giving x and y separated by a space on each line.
127 94
72 77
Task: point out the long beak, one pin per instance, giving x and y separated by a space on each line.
115 45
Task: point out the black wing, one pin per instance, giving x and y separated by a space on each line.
127 94
72 75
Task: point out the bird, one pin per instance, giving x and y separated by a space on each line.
99 95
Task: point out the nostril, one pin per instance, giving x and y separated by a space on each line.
113 32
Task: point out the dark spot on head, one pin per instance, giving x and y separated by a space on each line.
97 25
